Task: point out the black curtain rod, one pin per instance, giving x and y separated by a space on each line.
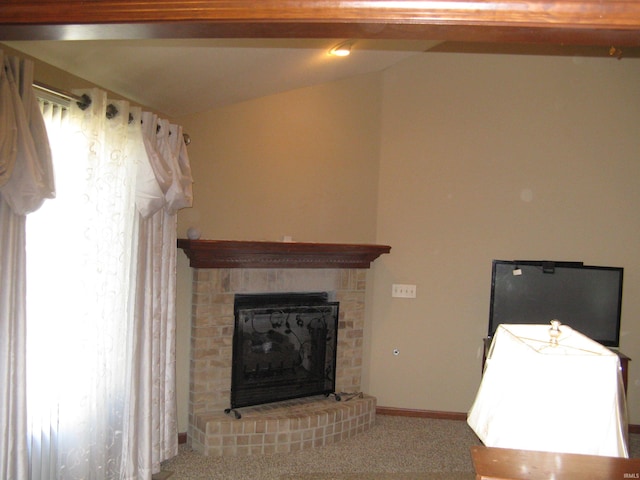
84 101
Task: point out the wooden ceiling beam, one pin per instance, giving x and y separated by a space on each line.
587 22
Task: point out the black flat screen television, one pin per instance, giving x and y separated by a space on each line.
587 298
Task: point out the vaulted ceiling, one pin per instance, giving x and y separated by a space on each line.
197 54
183 76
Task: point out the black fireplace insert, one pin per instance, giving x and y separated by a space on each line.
284 347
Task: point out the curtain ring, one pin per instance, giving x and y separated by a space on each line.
112 111
84 102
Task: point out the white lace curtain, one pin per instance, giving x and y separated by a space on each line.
99 340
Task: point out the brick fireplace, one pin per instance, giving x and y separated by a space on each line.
221 269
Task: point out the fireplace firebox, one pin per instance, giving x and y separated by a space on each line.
284 347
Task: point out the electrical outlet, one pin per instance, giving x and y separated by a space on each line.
403 291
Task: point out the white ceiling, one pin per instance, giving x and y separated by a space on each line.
181 77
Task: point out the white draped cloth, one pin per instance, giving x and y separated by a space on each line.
26 179
160 170
567 398
29 169
100 329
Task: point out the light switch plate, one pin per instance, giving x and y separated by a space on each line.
401 290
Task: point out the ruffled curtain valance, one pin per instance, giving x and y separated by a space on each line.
168 160
26 172
157 147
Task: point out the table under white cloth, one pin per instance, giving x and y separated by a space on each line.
567 398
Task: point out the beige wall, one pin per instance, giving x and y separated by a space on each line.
496 157
453 160
302 164
49 74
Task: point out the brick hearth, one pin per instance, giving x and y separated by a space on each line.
283 427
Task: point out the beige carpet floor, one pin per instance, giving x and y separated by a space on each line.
379 476
398 448
395 445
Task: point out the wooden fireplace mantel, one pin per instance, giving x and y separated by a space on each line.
253 254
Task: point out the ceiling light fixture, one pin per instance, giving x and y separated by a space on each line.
341 50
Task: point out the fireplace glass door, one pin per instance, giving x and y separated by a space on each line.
284 346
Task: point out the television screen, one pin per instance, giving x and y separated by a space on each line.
587 298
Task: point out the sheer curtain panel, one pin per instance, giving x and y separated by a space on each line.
101 386
80 299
